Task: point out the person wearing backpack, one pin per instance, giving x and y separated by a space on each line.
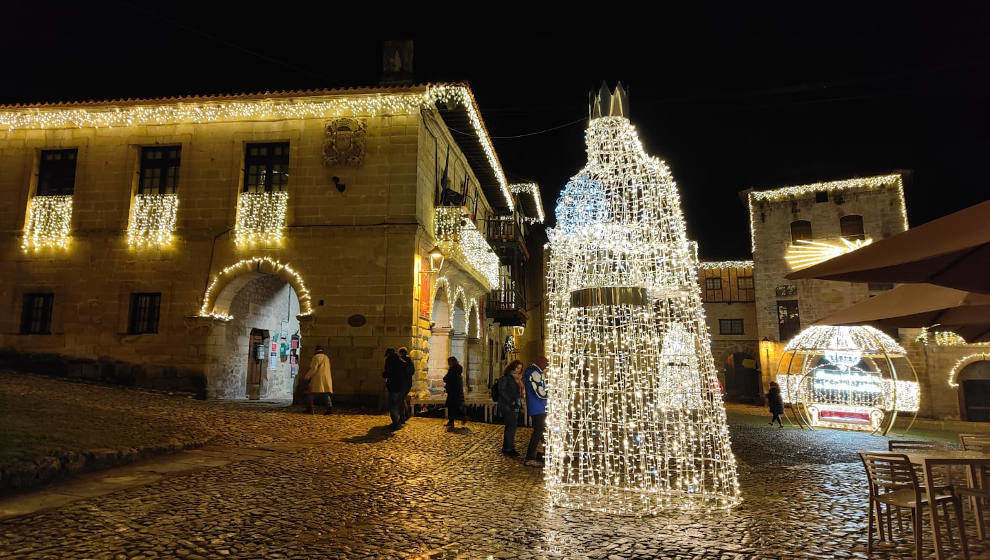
510 399
536 406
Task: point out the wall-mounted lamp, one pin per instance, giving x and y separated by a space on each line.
436 259
336 182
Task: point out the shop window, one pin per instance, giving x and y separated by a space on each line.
730 326
800 229
144 313
57 172
266 167
159 170
852 227
36 314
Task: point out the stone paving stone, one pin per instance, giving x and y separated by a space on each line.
340 486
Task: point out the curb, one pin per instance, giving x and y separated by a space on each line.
24 475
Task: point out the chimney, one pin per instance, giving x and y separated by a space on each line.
397 62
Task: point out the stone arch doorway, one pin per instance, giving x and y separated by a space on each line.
742 380
474 380
974 392
458 330
259 303
440 331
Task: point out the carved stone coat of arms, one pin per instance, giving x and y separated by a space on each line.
345 142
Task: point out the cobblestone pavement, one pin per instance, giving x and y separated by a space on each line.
342 486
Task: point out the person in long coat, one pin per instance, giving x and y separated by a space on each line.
395 382
410 369
776 403
510 399
455 392
319 380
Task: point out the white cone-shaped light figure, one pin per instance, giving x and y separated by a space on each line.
636 422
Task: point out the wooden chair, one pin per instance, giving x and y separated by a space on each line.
977 442
912 445
893 482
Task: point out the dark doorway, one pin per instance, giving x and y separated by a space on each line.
742 380
256 363
974 397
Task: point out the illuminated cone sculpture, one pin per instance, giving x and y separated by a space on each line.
636 422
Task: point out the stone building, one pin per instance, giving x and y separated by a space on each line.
728 295
796 226
211 243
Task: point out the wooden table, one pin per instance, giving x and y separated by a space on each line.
973 460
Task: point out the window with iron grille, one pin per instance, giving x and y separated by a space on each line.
852 227
57 172
800 229
159 169
266 167
36 315
144 313
730 326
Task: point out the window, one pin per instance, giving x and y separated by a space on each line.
266 167
159 170
730 326
713 289
57 172
852 227
800 229
788 321
821 196
746 288
144 313
36 315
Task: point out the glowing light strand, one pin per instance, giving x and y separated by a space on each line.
963 362
458 237
533 190
723 265
636 422
272 108
48 224
152 220
260 218
273 267
805 252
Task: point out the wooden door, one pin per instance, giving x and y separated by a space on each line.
255 365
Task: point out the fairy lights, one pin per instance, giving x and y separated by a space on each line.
260 218
152 220
722 265
48 223
168 111
845 378
755 199
458 237
636 422
264 265
533 190
805 252
963 362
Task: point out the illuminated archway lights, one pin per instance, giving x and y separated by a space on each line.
636 422
963 362
272 266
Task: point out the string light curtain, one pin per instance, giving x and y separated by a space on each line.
48 223
636 422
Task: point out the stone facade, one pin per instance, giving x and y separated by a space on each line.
355 254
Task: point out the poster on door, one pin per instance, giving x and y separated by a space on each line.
273 354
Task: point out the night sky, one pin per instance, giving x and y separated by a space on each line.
730 99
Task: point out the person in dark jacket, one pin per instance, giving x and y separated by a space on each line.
510 398
394 374
410 372
536 406
455 392
776 403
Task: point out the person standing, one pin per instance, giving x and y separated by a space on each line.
410 371
510 397
454 383
776 403
395 382
319 380
536 407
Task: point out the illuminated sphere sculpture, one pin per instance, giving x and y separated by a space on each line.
852 378
636 422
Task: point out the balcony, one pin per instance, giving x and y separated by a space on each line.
505 232
460 239
507 305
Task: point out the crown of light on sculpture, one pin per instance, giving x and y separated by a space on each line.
636 422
